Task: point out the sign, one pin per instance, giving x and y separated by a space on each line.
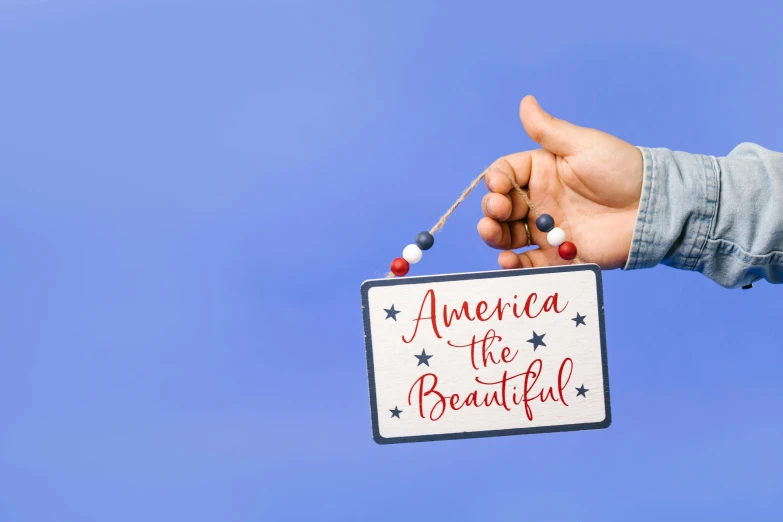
486 354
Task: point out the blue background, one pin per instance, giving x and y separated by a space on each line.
191 194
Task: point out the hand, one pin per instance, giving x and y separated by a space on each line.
588 181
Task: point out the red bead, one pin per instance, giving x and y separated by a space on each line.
400 267
567 250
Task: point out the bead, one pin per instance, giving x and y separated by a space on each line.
567 250
425 240
545 223
412 254
556 237
400 267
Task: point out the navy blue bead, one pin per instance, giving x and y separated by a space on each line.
545 223
425 240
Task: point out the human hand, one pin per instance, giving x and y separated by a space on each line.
590 182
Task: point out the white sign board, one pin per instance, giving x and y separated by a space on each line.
486 354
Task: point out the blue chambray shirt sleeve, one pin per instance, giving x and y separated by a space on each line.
722 217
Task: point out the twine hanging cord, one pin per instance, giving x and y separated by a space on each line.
467 191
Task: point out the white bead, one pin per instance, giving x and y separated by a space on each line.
556 237
412 254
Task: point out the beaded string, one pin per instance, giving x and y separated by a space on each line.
413 253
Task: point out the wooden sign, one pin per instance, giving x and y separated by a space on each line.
486 354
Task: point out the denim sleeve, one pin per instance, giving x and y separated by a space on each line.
722 217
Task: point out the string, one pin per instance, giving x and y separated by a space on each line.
466 193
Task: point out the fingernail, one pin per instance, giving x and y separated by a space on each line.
490 184
489 206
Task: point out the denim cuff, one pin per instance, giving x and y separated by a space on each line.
677 209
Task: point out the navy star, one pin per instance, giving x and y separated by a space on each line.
423 358
581 391
580 319
391 313
537 340
395 412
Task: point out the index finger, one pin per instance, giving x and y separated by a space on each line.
515 166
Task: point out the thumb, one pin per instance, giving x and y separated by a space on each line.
557 136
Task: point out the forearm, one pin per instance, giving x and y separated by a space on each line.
722 217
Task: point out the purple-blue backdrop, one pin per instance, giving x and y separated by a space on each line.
192 192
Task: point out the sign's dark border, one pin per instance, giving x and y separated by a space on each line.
482 275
